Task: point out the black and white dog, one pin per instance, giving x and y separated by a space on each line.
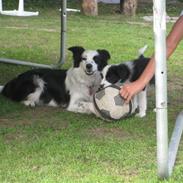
65 88
128 72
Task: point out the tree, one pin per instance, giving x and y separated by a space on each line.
90 7
121 6
129 7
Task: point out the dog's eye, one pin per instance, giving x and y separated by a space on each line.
101 75
84 59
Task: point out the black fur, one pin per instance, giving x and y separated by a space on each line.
20 87
102 58
117 72
122 72
48 86
138 67
77 52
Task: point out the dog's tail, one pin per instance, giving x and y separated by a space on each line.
142 50
1 88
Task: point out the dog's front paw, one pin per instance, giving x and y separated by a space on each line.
141 114
81 107
86 107
29 103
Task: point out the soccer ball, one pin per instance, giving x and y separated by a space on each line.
109 104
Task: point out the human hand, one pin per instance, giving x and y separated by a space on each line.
127 91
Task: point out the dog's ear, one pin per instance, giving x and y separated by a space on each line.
77 52
104 56
123 72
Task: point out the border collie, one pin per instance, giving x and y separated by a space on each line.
130 71
65 88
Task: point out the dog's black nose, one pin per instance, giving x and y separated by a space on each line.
88 66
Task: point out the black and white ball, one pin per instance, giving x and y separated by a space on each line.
109 104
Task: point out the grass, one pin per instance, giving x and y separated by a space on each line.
52 145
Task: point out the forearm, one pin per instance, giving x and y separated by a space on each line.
148 73
150 69
173 39
175 36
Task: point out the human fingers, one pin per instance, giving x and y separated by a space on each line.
126 94
128 98
123 92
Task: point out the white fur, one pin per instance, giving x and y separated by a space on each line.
33 98
81 82
52 103
1 88
140 99
104 82
142 50
88 59
81 88
142 103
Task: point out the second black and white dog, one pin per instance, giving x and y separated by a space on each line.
125 72
65 88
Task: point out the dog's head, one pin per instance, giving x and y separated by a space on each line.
112 74
89 60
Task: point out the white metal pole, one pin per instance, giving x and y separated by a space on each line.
63 31
1 6
174 142
26 63
161 87
21 6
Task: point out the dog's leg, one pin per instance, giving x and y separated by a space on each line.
142 103
72 104
86 107
33 99
78 105
135 104
52 103
29 103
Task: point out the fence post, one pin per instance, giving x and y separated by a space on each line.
161 87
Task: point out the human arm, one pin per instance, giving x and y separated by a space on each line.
173 39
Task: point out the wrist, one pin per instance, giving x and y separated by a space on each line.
141 83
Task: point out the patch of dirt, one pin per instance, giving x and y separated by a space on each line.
13 123
36 168
41 112
129 174
139 23
17 135
56 125
175 84
108 132
43 117
28 28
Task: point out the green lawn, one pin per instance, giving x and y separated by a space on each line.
52 145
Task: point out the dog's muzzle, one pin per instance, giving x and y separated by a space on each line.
89 69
